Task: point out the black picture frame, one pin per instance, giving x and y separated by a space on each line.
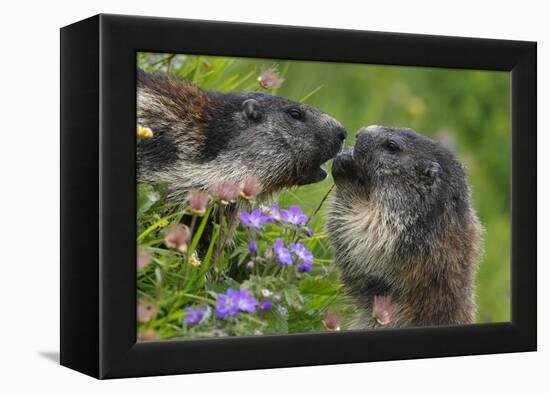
98 247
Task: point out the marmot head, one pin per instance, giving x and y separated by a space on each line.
414 177
279 141
201 138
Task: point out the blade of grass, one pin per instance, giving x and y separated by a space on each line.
163 221
206 263
235 85
197 236
310 94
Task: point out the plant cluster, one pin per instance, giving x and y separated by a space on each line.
223 264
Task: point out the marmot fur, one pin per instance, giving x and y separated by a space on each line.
202 138
404 230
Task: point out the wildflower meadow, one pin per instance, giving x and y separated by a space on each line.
224 262
257 275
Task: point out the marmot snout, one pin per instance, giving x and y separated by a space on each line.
404 230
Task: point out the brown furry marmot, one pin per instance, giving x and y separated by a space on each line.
203 138
406 237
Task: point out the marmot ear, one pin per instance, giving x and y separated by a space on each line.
431 170
251 109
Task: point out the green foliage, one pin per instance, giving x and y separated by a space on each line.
467 110
183 272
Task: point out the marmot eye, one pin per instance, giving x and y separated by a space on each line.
392 146
295 113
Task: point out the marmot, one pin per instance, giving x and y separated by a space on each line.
404 231
201 138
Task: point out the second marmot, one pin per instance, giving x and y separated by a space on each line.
406 237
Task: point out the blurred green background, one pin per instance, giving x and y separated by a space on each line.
467 110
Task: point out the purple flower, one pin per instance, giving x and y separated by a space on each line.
254 219
246 302
226 305
309 233
266 305
275 212
283 254
193 316
278 245
301 251
294 216
305 267
234 301
304 255
253 247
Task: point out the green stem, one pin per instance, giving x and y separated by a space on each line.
205 263
187 271
160 223
252 319
197 236
321 203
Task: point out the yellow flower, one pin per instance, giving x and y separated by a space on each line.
194 260
144 132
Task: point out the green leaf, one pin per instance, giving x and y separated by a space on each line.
277 322
147 196
318 286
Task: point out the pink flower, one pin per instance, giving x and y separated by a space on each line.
143 258
145 311
226 192
251 188
270 78
178 237
382 309
333 321
148 335
198 202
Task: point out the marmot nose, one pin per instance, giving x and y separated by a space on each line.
341 133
